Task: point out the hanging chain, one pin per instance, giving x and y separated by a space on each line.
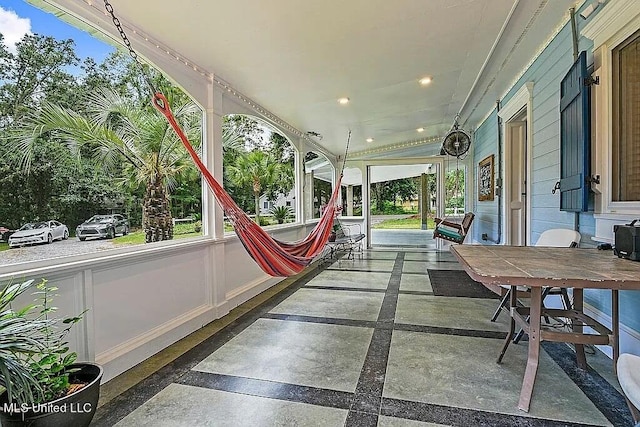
127 43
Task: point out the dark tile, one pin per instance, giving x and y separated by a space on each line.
450 331
604 396
462 417
270 389
361 419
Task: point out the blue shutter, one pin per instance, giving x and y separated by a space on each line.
575 138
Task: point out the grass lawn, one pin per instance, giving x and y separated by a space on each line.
406 223
180 231
4 246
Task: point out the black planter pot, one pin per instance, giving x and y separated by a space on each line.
74 410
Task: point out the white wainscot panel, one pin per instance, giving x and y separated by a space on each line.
244 279
68 302
140 301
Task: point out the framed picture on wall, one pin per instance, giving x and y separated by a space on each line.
485 179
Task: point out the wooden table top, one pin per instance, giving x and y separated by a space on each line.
544 266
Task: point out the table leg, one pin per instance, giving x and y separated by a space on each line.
534 349
615 327
513 301
576 326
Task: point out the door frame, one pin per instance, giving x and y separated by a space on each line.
522 100
366 196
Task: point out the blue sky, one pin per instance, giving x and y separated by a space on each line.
36 21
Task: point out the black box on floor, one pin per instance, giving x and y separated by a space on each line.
627 241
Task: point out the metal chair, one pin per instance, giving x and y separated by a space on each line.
556 237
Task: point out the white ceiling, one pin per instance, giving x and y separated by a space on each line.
296 58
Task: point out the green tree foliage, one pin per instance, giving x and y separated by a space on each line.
121 137
391 192
454 189
259 170
243 137
321 194
35 72
91 142
100 170
385 195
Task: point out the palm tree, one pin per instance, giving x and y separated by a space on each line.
257 169
122 137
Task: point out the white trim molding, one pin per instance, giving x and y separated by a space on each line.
616 17
518 101
522 99
613 25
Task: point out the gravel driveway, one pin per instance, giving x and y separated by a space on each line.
56 249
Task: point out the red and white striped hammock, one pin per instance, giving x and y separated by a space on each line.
275 257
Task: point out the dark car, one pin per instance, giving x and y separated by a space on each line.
103 226
4 234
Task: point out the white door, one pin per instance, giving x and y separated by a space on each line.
517 192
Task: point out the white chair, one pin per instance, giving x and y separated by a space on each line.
555 237
629 378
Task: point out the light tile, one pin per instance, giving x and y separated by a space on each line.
392 255
338 304
363 264
433 256
462 372
450 312
310 354
351 279
186 406
423 266
415 282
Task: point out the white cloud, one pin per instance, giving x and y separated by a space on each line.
13 28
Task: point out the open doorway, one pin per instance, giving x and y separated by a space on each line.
404 200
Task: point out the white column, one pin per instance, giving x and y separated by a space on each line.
308 195
366 202
212 156
349 200
214 215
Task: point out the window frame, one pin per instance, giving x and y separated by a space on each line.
611 28
616 81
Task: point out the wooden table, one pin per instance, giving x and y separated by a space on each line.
541 267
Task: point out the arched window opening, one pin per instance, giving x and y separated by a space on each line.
259 170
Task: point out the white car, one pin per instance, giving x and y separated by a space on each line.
39 232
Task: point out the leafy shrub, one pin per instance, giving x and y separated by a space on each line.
263 221
281 213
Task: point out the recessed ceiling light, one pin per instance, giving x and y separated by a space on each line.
425 80
343 101
420 129
369 139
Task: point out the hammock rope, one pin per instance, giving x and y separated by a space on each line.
275 257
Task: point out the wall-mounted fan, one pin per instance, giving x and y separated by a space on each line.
456 142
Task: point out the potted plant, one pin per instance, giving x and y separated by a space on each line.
43 384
